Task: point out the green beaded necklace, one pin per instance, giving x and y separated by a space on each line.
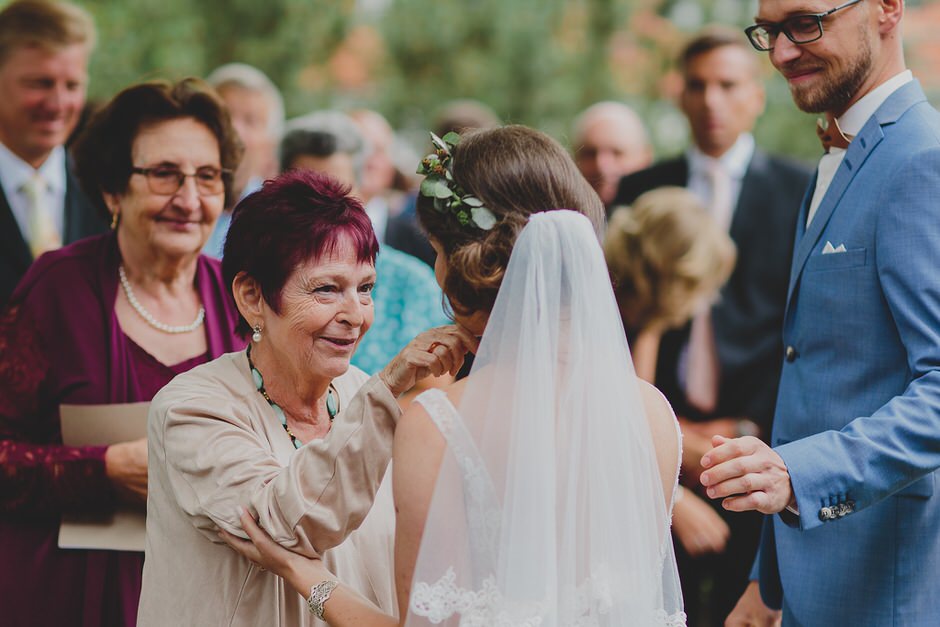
332 405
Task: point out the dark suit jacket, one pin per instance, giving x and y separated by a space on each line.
81 220
748 319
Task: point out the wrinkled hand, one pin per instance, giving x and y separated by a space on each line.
126 466
750 611
299 571
747 474
433 353
699 528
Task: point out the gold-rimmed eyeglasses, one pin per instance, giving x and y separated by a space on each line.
167 180
800 29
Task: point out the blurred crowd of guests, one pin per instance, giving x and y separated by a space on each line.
698 245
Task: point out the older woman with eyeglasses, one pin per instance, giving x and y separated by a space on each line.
110 319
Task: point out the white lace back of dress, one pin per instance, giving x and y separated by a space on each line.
548 508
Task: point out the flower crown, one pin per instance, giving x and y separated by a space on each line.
440 185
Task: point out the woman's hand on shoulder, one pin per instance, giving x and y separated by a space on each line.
433 353
299 571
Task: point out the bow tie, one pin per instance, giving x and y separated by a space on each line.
831 135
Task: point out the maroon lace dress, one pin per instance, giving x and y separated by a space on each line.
60 343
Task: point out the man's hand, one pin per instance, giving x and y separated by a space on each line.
699 528
697 440
751 611
747 474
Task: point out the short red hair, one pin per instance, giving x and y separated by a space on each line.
295 217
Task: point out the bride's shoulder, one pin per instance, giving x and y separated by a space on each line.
665 431
437 403
655 403
419 428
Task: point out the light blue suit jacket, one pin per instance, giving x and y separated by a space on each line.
858 411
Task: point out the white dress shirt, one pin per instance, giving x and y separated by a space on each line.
15 173
851 123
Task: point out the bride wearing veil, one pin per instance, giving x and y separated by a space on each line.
537 491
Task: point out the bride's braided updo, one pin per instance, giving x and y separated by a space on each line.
515 171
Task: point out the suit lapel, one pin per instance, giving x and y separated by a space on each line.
73 218
804 211
12 245
751 191
81 219
859 150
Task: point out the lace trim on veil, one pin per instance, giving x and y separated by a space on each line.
487 608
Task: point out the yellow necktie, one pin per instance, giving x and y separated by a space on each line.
43 235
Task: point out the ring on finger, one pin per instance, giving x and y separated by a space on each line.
434 345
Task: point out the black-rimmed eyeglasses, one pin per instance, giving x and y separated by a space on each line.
167 180
800 29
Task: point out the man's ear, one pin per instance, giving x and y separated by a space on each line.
248 298
890 13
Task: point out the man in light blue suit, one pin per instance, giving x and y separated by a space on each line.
852 535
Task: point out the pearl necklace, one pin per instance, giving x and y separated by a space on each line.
332 405
148 317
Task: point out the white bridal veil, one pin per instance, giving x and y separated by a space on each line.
548 509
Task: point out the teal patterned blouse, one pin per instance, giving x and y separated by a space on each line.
407 301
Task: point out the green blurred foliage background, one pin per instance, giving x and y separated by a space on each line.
536 62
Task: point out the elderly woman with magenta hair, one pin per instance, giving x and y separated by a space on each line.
287 427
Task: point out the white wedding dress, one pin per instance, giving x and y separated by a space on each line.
548 509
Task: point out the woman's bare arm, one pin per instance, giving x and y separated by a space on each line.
417 453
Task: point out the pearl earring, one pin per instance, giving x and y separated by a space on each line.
256 336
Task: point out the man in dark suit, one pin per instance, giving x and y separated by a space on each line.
44 50
720 372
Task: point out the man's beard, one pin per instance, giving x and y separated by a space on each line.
837 93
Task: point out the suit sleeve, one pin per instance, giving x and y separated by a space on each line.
218 463
875 456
